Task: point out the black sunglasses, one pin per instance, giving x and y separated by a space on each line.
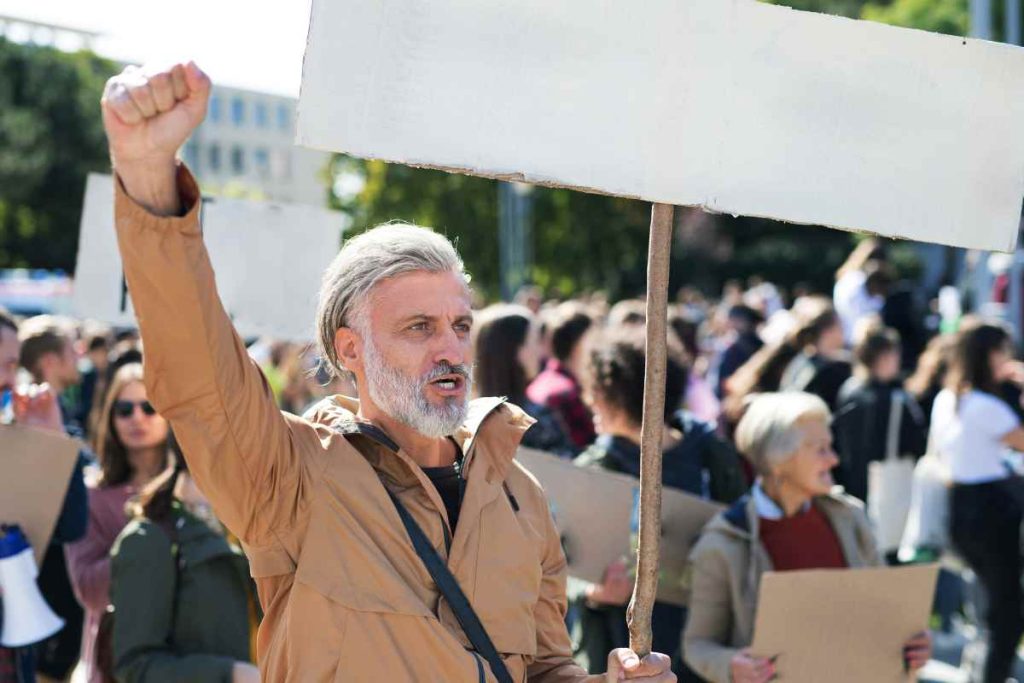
127 408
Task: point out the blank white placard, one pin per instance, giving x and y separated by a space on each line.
268 259
732 105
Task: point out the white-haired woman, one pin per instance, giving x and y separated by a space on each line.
791 519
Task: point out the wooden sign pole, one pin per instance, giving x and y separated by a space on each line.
646 588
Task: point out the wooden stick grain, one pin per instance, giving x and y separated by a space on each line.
646 588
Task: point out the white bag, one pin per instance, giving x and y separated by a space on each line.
890 484
928 522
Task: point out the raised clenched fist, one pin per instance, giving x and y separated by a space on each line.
148 115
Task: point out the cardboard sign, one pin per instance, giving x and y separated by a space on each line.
268 258
843 626
735 106
595 512
37 468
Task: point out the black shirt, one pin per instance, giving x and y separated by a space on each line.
448 483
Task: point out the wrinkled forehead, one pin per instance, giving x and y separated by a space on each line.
437 295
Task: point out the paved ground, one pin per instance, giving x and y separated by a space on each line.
945 667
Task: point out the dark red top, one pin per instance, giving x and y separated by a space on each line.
804 541
556 388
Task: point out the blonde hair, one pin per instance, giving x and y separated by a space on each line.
770 431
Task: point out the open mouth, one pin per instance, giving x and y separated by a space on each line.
448 382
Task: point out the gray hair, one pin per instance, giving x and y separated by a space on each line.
382 252
770 433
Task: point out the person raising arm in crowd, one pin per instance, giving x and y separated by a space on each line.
329 506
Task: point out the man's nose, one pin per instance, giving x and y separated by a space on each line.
450 348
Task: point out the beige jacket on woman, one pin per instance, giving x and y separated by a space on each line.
727 566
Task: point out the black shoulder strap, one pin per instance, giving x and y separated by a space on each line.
450 589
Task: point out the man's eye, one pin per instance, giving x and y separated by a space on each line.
462 327
418 326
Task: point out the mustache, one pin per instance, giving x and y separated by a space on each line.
445 368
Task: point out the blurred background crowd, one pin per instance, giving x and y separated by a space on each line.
879 363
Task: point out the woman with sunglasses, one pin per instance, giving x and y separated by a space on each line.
132 442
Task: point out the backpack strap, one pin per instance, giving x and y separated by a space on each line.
446 582
450 589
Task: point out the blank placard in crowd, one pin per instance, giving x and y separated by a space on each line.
595 510
37 468
733 105
268 259
842 625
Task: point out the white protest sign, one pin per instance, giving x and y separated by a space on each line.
733 105
268 259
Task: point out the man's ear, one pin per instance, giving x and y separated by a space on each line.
349 347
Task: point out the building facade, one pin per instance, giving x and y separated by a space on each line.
246 148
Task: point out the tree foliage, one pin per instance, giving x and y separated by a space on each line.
51 137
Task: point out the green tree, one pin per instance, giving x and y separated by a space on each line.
51 137
939 16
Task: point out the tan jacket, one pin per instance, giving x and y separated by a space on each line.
728 563
344 594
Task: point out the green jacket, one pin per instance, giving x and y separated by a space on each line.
188 622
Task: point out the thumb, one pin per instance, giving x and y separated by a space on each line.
621 661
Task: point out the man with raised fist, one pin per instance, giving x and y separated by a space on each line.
393 538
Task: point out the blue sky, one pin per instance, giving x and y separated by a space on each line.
255 44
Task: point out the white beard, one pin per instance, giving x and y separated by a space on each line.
404 398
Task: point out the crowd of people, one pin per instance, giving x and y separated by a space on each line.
181 556
741 410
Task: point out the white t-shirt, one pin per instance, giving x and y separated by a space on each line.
968 435
852 301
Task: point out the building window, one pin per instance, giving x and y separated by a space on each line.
284 117
262 160
260 114
237 160
215 157
215 109
237 111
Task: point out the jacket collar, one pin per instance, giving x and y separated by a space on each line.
742 520
493 428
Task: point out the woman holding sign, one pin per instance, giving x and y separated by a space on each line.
791 519
696 461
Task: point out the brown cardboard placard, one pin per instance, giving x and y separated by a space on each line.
842 625
594 511
36 469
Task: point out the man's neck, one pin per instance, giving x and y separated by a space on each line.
426 451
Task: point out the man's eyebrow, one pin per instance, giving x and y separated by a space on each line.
466 317
415 316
